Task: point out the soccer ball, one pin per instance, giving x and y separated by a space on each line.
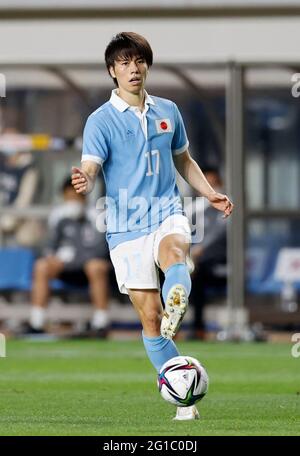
183 381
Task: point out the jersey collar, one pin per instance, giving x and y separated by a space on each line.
121 105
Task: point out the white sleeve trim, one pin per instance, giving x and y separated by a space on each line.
181 150
92 158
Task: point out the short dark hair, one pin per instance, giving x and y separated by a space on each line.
128 45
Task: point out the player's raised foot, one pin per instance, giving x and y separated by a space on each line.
187 413
175 308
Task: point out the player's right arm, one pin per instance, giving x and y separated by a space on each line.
94 153
83 179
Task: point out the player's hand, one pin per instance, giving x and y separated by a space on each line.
221 202
79 180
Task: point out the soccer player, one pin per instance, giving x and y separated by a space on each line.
139 140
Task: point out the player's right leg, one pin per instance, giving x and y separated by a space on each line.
45 269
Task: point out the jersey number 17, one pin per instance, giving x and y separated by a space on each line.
153 162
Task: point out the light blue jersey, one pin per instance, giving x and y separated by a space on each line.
135 150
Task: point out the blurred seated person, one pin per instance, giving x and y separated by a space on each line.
209 257
18 187
77 254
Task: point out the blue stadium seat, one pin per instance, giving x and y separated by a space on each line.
16 266
261 259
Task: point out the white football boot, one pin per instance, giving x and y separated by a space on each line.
175 308
187 413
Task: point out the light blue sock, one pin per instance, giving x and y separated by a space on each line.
159 350
177 273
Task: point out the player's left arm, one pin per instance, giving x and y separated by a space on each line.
191 172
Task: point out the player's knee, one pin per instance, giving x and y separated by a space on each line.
175 255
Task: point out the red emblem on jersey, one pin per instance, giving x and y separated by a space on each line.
163 125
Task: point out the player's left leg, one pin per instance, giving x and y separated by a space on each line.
148 305
172 253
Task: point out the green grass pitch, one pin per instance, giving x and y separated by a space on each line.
108 388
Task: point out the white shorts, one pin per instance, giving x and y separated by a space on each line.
136 262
